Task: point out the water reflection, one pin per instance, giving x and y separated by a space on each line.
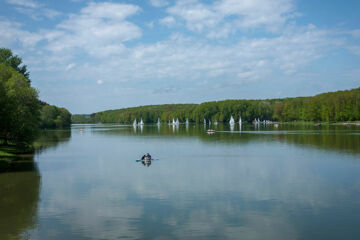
268 184
20 189
146 162
332 138
19 197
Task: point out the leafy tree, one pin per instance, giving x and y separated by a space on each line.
54 117
333 106
7 57
19 106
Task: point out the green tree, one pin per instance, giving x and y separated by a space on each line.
7 57
20 107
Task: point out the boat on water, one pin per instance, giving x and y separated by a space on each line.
141 122
173 122
232 121
240 121
158 122
210 131
187 121
134 123
177 121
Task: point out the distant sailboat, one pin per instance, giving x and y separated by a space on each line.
232 121
187 121
141 122
135 123
177 121
240 121
173 122
158 122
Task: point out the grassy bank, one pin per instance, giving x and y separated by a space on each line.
9 153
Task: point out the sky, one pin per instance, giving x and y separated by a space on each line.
90 56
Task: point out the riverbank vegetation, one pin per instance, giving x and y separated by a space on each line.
327 107
22 114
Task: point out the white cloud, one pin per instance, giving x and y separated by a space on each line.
70 66
159 3
38 14
180 61
99 82
99 29
233 15
355 33
25 3
12 34
168 21
150 24
33 9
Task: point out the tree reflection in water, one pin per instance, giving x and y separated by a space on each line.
20 189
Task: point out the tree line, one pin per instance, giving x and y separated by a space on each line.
326 107
22 114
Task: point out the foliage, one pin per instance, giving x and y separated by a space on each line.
326 107
149 114
19 107
7 57
54 117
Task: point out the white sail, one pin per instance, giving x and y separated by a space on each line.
173 122
177 121
232 121
240 121
141 122
187 121
158 122
135 123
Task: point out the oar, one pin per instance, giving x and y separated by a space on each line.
153 159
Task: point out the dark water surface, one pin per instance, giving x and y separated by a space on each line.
253 183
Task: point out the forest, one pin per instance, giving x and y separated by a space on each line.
22 113
326 107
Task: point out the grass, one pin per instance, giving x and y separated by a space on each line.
10 152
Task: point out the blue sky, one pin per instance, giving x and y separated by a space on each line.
90 56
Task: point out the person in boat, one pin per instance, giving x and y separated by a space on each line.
146 157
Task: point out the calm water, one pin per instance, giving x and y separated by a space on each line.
257 183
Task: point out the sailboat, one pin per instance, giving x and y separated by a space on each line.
173 122
177 121
158 122
240 121
141 122
187 121
135 123
232 121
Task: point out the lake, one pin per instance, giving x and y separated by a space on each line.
257 182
